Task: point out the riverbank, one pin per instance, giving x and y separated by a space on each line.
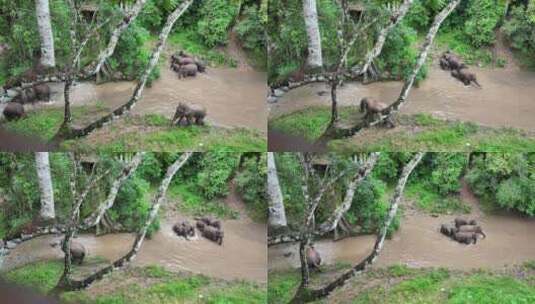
150 284
405 285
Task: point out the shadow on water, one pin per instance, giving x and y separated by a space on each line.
279 141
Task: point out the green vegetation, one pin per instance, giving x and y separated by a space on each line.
400 284
505 180
420 132
520 28
159 136
150 284
189 41
191 203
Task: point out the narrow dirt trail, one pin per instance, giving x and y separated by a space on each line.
419 243
507 98
242 256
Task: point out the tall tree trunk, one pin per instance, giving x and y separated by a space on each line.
331 222
394 107
44 24
67 284
395 19
277 214
123 109
127 20
305 295
97 215
46 190
310 13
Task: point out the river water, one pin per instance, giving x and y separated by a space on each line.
232 97
506 99
242 256
418 243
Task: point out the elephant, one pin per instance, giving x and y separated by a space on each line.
471 228
188 70
78 253
313 257
25 96
189 111
372 107
454 62
444 64
201 65
213 234
184 229
14 111
206 220
185 60
459 221
465 77
447 229
465 237
42 92
200 225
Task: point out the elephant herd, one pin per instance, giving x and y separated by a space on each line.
210 228
462 230
459 70
186 65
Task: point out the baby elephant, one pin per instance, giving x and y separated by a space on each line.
42 92
447 229
465 237
78 251
459 221
210 221
187 70
373 108
184 229
472 228
213 234
189 111
14 111
465 77
313 257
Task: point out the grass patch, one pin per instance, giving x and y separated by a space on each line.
191 42
433 202
44 123
529 265
159 286
42 276
282 286
489 289
309 123
424 133
190 202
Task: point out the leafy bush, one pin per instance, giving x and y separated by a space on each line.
251 183
483 17
250 29
216 17
520 29
216 170
132 206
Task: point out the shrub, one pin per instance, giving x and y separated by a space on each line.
216 17
483 17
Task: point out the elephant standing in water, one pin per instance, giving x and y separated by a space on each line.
465 77
465 237
461 222
472 228
313 257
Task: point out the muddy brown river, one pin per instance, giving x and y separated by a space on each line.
243 254
232 97
418 243
507 98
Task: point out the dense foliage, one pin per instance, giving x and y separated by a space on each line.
505 180
520 28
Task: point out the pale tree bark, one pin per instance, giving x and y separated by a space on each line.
395 19
394 107
67 284
361 174
310 13
128 171
127 20
44 178
123 109
44 25
277 214
305 295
